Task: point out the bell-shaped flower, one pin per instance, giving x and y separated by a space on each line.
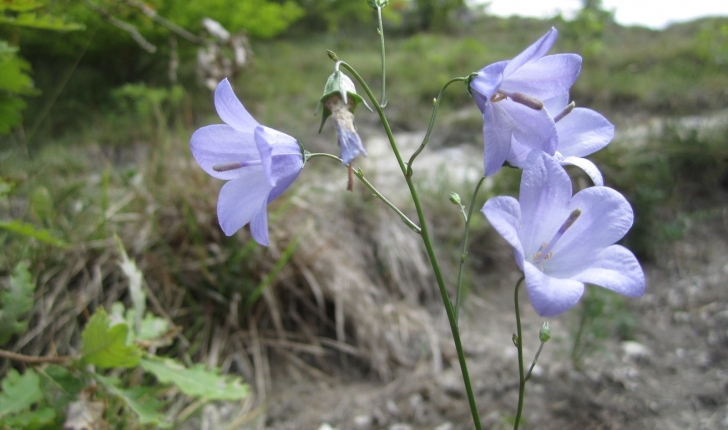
259 163
562 241
580 132
510 95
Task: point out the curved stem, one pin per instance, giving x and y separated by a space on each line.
432 124
430 250
380 30
535 359
359 174
519 345
464 252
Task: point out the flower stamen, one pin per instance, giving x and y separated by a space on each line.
567 110
546 251
226 167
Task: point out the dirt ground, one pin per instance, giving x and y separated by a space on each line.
672 375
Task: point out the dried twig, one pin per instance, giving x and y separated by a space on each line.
133 32
29 359
151 13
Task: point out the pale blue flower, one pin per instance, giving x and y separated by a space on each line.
579 132
510 95
562 241
259 163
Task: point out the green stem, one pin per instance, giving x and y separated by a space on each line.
464 252
535 359
519 345
380 30
430 250
359 174
432 123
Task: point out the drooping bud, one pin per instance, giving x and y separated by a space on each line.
454 198
545 333
378 3
340 85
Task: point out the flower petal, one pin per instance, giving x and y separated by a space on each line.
497 133
349 142
537 50
241 198
556 104
545 78
221 144
616 269
504 214
588 167
259 226
551 296
488 80
544 197
605 218
276 148
583 132
533 128
231 110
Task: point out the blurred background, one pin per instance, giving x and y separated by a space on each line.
339 320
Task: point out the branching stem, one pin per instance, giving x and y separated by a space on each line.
30 359
464 252
428 245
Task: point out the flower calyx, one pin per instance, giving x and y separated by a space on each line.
341 86
374 4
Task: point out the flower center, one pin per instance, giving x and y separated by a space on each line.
226 167
546 251
520 98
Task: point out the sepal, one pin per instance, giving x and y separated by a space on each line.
339 83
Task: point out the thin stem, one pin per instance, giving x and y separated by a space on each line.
535 358
430 250
519 345
359 174
432 123
380 30
464 252
29 359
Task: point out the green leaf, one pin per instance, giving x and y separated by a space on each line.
106 346
196 381
20 392
45 22
15 303
38 419
28 230
152 327
19 5
65 380
139 399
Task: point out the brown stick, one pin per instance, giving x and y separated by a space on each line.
31 359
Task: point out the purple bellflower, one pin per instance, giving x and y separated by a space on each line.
259 163
580 132
510 95
561 242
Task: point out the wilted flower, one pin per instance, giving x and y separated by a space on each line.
580 132
561 242
510 95
259 162
339 101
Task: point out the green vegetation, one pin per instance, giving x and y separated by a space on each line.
102 152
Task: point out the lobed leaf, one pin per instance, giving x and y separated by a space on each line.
106 346
196 381
20 392
15 303
139 399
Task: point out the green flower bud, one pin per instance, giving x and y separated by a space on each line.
454 197
339 84
378 3
545 334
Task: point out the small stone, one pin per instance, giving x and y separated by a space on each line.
363 422
400 427
445 426
635 351
326 426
